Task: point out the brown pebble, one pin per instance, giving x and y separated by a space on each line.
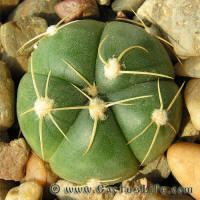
26 191
39 8
15 34
13 158
73 9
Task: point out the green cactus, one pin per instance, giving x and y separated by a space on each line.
99 100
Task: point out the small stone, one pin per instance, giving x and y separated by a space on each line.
6 98
119 5
192 99
184 160
73 9
39 171
180 22
103 2
15 34
13 158
26 191
190 67
40 8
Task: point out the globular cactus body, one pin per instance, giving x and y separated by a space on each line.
98 101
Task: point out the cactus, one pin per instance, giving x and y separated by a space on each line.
99 101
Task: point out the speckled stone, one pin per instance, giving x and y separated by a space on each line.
180 22
13 158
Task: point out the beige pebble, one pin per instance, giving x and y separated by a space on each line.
179 22
26 191
184 160
192 100
190 67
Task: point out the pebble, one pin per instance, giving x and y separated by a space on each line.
14 35
40 8
119 5
26 191
184 160
189 68
192 99
6 98
180 22
13 158
35 170
73 9
39 171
